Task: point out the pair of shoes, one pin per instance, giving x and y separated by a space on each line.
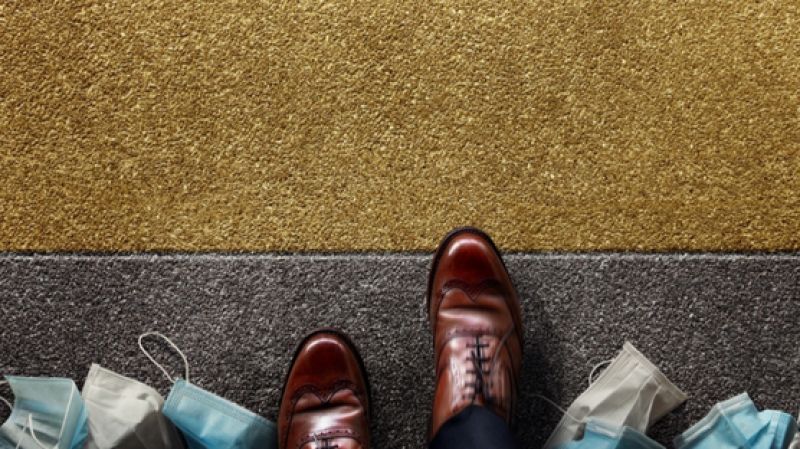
475 317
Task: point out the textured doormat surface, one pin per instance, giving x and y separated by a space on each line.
717 325
344 126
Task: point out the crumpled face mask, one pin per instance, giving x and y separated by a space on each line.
124 412
208 421
630 392
600 435
737 424
48 413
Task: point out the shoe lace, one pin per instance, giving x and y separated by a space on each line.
480 370
482 383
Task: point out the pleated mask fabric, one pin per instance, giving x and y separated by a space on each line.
124 411
600 435
737 424
630 392
208 421
48 413
211 422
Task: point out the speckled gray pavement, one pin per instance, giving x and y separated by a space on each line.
717 325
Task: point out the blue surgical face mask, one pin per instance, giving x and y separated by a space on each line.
782 429
48 413
211 422
737 424
208 421
600 435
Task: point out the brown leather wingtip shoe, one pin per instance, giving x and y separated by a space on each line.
477 328
325 402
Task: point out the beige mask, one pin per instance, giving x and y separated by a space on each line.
631 392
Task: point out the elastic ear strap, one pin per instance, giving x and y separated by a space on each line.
24 428
596 367
33 434
588 360
557 407
174 346
4 400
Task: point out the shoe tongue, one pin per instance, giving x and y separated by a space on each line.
337 420
476 321
328 419
327 401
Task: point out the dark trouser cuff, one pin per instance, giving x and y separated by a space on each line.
475 427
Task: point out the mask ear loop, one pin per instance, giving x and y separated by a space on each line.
596 367
588 360
4 400
33 434
557 407
11 407
24 428
591 380
174 346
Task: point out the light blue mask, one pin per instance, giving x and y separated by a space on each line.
783 428
211 422
600 435
48 413
208 421
737 424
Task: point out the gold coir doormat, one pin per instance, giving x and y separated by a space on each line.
286 125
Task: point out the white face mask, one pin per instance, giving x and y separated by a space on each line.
630 392
124 412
